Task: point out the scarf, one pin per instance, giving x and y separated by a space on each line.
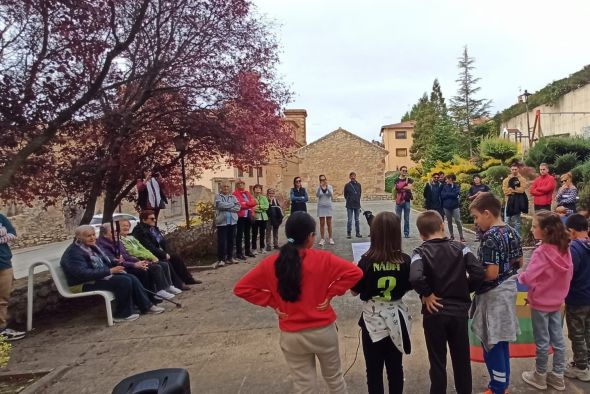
153 189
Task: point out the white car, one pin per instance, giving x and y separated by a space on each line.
97 220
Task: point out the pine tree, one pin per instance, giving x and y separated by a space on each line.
443 143
424 114
464 106
437 99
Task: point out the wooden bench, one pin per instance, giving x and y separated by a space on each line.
59 278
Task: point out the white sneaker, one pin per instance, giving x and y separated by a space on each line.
219 263
12 335
132 317
155 310
573 372
174 290
331 241
322 242
164 294
231 261
261 251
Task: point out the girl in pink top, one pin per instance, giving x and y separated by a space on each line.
548 275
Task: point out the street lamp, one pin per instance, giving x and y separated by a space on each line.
525 96
181 143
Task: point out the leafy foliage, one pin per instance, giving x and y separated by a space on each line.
498 148
5 348
443 143
564 163
497 173
547 149
584 194
389 180
581 173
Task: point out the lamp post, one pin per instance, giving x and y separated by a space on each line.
181 143
526 95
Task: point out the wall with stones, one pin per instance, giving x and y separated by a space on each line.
336 155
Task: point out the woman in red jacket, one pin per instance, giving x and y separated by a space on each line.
298 283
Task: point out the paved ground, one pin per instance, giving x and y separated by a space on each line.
227 345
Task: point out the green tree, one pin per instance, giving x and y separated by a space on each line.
437 99
425 117
465 107
443 143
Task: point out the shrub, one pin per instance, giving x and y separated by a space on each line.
490 163
498 148
417 193
5 347
548 149
496 173
204 214
526 234
581 173
584 195
465 214
389 181
464 178
416 172
564 163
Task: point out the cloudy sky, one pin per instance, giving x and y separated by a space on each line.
361 65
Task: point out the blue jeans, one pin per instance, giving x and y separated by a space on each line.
357 224
514 221
547 331
405 208
454 214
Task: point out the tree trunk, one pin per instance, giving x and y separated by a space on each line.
89 211
110 205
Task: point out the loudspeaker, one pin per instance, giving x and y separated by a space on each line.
159 381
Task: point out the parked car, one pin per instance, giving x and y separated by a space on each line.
97 220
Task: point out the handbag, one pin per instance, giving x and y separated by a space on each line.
162 204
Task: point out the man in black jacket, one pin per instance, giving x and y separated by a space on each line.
444 273
432 194
352 195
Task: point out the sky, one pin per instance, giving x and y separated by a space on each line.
360 65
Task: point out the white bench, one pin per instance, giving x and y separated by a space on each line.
61 283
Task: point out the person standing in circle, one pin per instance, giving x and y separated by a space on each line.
352 195
475 190
451 202
432 195
567 195
542 189
517 202
324 194
298 196
246 216
298 283
402 192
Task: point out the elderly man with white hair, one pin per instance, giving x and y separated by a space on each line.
87 268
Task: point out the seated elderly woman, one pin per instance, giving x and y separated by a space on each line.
150 236
136 249
87 268
152 275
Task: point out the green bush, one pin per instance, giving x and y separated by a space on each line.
389 181
526 234
548 149
465 214
564 163
584 194
581 173
496 173
417 193
498 148
464 178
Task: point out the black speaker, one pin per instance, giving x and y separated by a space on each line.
159 381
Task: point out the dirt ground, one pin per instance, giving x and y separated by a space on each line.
226 344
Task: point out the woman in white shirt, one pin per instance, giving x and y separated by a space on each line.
324 194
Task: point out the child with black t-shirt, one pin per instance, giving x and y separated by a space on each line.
444 272
385 322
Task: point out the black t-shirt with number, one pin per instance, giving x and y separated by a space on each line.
383 280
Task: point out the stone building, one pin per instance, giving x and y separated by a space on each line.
397 140
335 156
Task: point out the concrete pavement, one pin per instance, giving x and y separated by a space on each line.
226 344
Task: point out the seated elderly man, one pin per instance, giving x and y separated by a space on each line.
137 250
87 268
150 274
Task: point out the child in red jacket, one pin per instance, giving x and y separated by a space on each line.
298 283
548 277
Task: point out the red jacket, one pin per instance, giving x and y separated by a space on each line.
324 275
542 190
245 205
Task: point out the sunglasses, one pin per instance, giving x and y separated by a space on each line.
298 181
151 218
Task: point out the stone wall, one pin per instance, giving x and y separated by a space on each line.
46 298
335 156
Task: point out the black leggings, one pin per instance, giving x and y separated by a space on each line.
128 291
258 227
377 355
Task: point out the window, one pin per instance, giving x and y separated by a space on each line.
240 173
259 171
400 135
250 172
401 152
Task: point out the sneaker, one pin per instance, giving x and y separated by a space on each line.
219 263
535 379
573 372
261 251
276 247
322 242
250 254
556 381
359 235
164 294
12 335
452 237
174 290
462 240
348 236
331 241
155 310
241 257
268 249
253 252
132 317
406 235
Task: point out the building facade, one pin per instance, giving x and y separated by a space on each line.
397 139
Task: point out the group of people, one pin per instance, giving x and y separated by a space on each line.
136 266
299 283
246 223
